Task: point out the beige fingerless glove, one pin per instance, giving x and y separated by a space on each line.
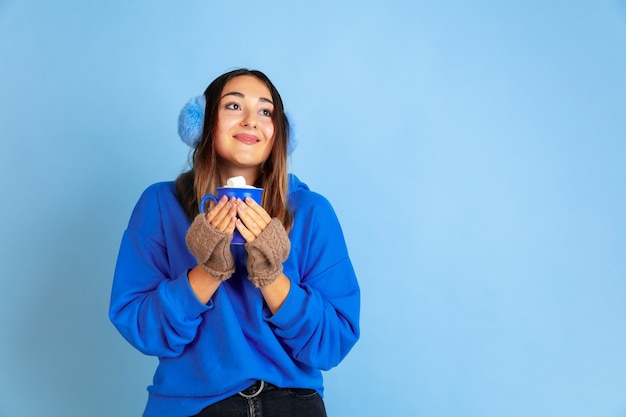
267 253
211 248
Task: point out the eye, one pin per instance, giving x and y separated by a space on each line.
233 106
266 112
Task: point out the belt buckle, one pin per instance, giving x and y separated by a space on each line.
257 392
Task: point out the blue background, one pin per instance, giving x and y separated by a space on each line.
475 153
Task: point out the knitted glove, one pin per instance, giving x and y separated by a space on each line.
267 253
211 248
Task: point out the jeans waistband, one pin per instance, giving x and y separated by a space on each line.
257 388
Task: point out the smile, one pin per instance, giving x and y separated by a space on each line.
247 138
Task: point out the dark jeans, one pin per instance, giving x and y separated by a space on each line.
266 400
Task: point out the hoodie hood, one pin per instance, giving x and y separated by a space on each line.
296 185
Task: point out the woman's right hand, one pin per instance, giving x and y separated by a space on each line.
223 215
209 237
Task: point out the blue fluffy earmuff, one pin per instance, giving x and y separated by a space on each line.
191 122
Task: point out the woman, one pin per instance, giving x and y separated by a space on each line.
237 328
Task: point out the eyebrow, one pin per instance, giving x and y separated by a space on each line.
238 94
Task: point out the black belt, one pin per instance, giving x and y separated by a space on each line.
255 389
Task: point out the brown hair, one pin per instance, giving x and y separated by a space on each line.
203 176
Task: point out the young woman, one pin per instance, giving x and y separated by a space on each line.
238 329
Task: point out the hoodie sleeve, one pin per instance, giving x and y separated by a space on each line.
319 321
153 307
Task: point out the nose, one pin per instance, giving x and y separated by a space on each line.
250 120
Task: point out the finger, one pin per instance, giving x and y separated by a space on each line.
253 221
244 231
225 216
218 212
227 224
214 209
230 227
258 209
254 212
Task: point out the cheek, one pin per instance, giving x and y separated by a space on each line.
269 134
218 140
269 131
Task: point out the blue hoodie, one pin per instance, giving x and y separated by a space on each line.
208 352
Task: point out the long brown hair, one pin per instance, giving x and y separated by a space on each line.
203 176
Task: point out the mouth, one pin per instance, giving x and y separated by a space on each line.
247 138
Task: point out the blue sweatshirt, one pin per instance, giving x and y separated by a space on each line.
208 352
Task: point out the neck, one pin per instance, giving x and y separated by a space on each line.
251 174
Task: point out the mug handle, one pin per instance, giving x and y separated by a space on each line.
203 202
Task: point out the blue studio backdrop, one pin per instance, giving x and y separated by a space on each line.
475 153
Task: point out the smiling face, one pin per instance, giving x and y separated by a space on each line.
244 133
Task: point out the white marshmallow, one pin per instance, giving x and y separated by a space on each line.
238 182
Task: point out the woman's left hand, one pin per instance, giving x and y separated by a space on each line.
253 219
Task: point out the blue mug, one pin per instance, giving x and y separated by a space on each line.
254 193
